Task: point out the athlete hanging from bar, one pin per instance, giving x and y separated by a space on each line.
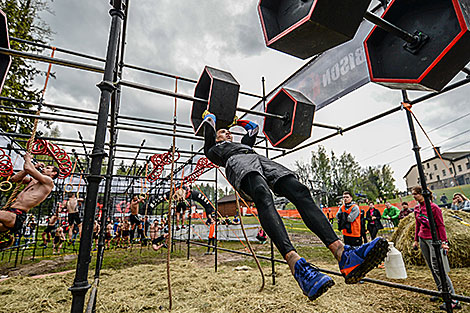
254 175
40 182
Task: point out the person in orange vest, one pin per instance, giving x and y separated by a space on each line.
349 213
211 240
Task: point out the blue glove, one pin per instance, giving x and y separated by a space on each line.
248 125
206 115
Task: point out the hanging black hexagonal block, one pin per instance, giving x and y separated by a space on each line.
445 22
296 127
220 89
303 28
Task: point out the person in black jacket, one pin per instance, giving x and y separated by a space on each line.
254 176
363 226
373 220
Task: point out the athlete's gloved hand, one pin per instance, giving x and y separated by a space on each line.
234 123
248 125
207 115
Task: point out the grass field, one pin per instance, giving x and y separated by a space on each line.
135 281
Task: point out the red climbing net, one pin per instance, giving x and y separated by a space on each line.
201 165
43 147
6 167
159 161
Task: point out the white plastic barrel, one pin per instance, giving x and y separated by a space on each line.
394 265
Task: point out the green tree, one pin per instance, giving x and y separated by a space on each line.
328 175
24 22
378 182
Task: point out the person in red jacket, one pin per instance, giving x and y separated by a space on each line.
423 239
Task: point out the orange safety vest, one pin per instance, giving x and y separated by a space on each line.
355 225
211 230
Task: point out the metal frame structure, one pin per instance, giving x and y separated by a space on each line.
109 118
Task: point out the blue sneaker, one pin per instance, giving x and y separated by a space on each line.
357 262
311 281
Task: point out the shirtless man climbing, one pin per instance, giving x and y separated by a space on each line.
72 204
134 218
39 185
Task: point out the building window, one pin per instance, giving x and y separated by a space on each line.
459 167
427 165
450 170
468 166
438 178
435 167
443 173
430 176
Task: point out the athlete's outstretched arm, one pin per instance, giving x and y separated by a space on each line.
251 132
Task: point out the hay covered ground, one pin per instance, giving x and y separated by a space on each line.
197 288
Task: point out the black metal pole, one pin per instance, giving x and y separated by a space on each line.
436 243
389 27
80 284
190 210
273 266
216 223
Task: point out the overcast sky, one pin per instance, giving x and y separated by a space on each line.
181 37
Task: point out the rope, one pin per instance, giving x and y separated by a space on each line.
168 253
249 246
408 106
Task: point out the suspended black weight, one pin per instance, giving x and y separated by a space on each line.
5 60
220 89
296 127
303 28
445 22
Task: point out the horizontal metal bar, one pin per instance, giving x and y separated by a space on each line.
49 105
156 90
182 96
321 125
19 135
141 119
41 45
466 70
152 148
46 118
191 98
148 131
155 128
42 58
189 80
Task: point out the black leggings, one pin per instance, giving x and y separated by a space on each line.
211 242
257 188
